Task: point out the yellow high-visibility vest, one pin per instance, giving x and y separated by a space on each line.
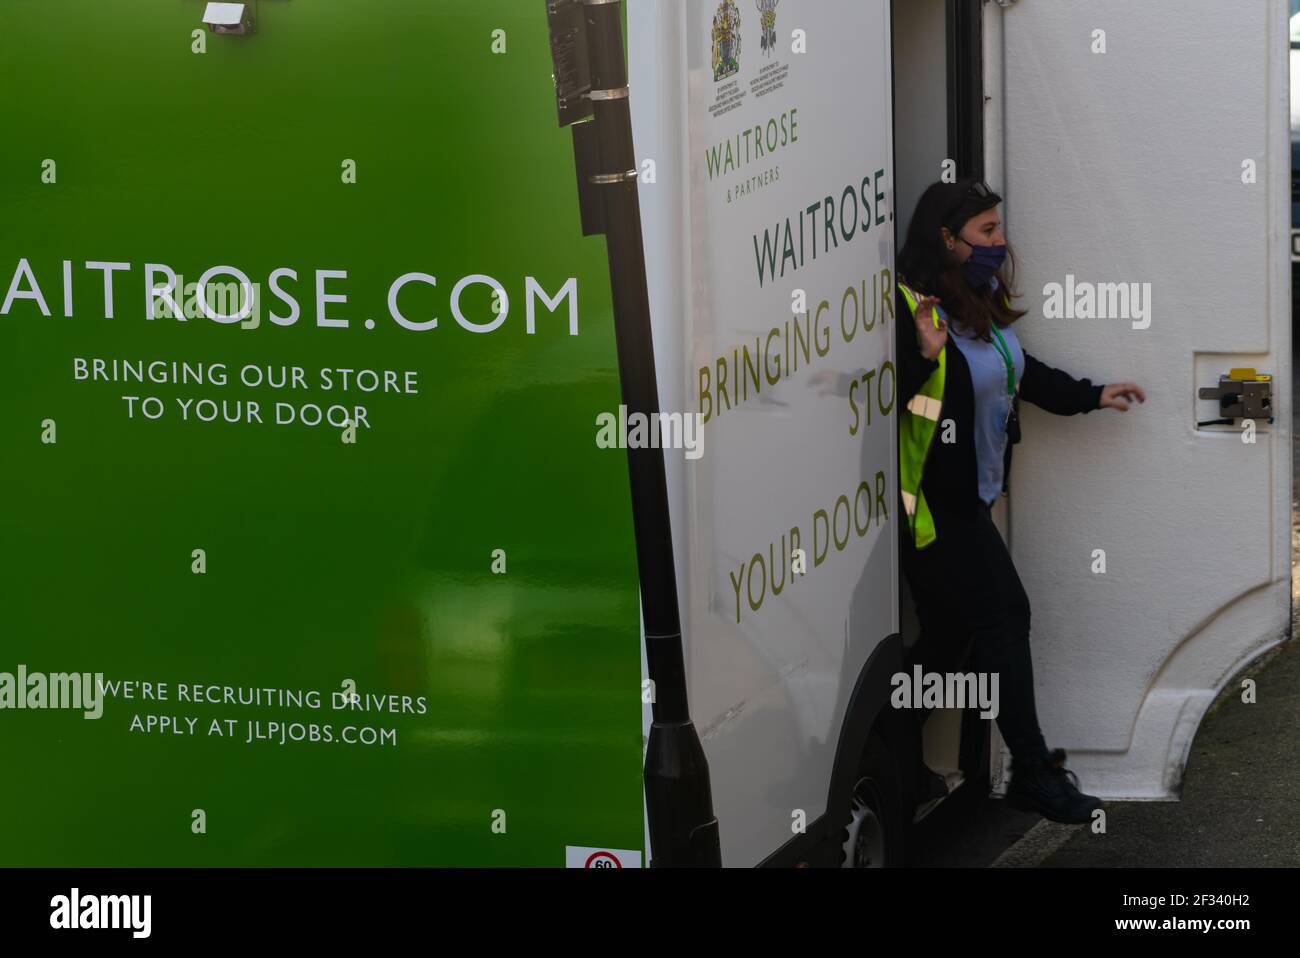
916 428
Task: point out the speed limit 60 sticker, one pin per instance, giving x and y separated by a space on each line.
578 857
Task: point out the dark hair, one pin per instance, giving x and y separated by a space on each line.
927 265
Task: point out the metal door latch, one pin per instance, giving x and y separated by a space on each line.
1242 394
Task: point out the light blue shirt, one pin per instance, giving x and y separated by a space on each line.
988 373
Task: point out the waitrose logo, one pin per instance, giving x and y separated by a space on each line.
58 690
752 143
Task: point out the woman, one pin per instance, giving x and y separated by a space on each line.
961 374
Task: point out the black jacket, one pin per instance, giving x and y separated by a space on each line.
951 481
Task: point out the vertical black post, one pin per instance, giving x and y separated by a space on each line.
679 801
966 86
966 146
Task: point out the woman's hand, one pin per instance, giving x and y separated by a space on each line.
929 338
1120 395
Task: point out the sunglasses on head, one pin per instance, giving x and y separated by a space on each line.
978 190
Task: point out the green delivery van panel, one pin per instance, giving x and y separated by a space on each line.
359 583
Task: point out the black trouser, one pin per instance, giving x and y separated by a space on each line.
974 616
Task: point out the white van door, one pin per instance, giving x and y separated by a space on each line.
769 248
1150 219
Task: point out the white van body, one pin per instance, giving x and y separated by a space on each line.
768 693
1122 167
1115 170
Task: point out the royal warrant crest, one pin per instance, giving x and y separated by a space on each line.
767 20
726 41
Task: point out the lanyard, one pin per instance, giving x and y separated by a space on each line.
1005 353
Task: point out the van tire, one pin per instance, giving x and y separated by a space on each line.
873 834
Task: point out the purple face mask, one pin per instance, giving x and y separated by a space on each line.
983 263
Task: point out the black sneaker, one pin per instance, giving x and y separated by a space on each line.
1051 790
